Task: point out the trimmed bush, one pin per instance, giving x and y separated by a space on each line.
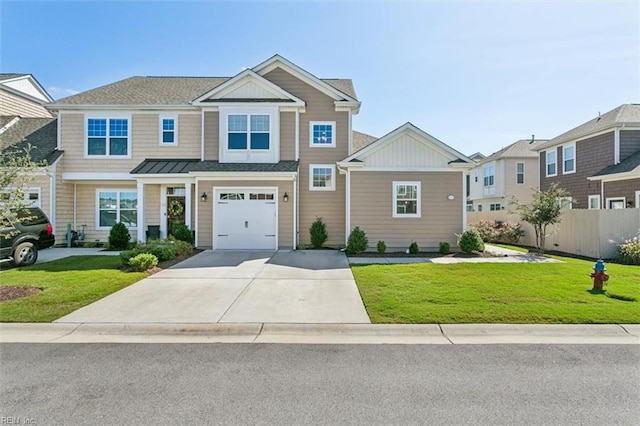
357 241
444 248
181 232
181 247
382 247
162 252
318 233
143 262
498 231
127 255
119 236
413 248
629 251
470 241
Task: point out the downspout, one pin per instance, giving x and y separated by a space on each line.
202 137
295 211
347 202
75 206
297 136
464 203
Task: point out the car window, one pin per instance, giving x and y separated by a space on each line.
31 216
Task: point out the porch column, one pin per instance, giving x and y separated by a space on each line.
187 207
141 223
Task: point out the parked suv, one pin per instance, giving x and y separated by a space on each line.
23 233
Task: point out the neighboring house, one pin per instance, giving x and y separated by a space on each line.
249 162
598 162
21 95
510 172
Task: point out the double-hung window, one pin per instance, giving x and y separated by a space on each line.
248 131
108 137
519 173
568 159
322 134
594 202
489 179
551 163
168 131
322 177
116 206
406 199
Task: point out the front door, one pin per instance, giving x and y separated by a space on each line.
175 211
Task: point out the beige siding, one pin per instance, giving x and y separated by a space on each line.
285 210
64 206
211 136
328 205
523 192
11 104
151 205
441 219
287 136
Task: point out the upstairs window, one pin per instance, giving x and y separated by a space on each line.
568 159
108 137
168 131
406 199
248 131
551 163
489 179
520 173
322 134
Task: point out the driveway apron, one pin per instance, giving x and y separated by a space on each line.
314 286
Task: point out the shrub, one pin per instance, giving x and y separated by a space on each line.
181 247
413 248
498 231
162 252
445 248
181 232
357 241
318 232
119 236
470 241
382 247
143 262
127 255
629 251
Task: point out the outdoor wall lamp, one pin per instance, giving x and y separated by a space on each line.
450 197
203 197
285 197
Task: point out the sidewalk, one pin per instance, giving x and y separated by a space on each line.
436 334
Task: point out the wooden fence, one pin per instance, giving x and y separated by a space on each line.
592 233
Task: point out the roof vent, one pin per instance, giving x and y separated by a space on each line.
533 138
598 119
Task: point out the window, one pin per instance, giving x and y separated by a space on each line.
569 159
489 177
248 130
565 203
616 203
479 207
168 131
108 137
637 199
234 196
495 207
406 199
322 177
594 202
261 196
551 163
469 206
520 173
475 176
322 134
116 206
30 196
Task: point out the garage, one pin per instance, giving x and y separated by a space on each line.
245 218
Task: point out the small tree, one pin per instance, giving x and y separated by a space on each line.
17 171
357 241
545 210
318 233
119 236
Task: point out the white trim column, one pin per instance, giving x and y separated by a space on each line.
52 197
347 219
141 234
187 204
294 195
464 201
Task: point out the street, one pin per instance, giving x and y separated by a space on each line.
319 384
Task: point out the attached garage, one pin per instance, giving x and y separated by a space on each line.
245 218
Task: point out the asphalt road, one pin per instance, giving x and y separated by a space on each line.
319 384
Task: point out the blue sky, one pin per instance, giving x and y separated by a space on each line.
476 75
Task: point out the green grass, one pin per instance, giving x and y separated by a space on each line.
67 284
513 293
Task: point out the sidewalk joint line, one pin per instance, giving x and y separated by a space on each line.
444 335
259 333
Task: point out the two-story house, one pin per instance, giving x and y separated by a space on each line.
510 172
249 162
598 162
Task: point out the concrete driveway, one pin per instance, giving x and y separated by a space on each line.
314 286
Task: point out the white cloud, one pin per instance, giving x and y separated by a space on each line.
61 92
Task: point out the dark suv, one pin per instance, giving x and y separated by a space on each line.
23 233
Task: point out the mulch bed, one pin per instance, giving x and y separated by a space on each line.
11 292
429 255
164 265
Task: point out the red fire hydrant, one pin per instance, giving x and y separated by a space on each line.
599 276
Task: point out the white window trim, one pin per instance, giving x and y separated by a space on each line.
271 155
175 129
594 197
610 199
564 147
97 207
11 190
108 116
524 167
322 166
570 205
394 211
637 199
333 132
546 162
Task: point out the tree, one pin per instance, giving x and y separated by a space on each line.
545 210
17 171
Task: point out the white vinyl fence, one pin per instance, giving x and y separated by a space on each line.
592 233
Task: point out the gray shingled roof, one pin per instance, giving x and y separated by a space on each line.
186 165
40 133
360 140
624 114
519 149
344 85
627 165
162 91
9 76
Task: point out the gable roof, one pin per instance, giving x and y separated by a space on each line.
10 76
628 165
360 140
25 85
522 148
39 133
626 114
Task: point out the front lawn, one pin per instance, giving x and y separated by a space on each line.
67 285
513 293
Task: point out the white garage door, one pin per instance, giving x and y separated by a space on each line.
245 219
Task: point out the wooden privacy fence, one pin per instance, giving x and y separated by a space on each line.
592 233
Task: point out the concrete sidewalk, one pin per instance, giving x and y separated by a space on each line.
439 334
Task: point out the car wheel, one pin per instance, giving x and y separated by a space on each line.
25 254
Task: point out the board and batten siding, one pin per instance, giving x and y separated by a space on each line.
205 209
441 219
329 205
